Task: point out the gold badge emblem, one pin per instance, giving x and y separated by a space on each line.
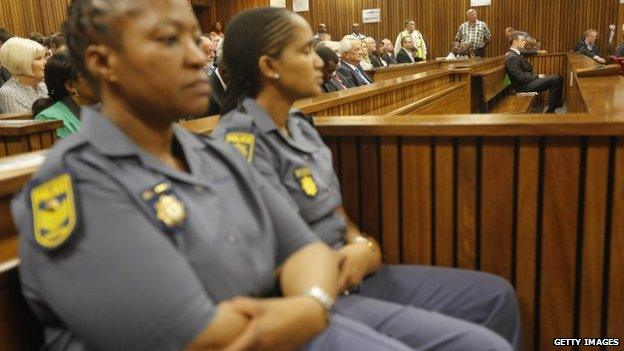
170 210
306 181
243 142
54 211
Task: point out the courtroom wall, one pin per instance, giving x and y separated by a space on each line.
25 16
557 23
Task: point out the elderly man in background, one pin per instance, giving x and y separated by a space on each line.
589 47
420 47
388 52
474 32
350 71
376 57
209 48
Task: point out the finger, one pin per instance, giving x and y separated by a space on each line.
247 340
247 306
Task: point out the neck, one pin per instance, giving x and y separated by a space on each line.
142 128
276 105
29 81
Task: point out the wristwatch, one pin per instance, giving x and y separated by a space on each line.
323 298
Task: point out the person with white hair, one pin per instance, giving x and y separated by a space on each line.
350 71
474 32
209 48
25 60
420 47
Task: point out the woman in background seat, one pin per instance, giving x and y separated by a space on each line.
25 60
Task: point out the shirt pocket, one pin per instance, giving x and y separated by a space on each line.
311 192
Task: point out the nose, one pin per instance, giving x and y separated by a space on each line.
194 55
318 62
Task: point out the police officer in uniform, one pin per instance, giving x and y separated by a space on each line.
427 308
137 235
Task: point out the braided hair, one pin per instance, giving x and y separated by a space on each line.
250 35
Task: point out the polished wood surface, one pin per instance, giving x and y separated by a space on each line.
558 24
396 96
19 136
16 116
599 95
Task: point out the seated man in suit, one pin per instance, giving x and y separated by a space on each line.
523 79
589 47
331 80
350 71
388 52
405 55
620 50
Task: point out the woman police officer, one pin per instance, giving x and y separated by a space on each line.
137 235
269 55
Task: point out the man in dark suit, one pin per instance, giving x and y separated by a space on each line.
218 80
523 79
350 71
388 52
331 80
588 46
405 54
376 56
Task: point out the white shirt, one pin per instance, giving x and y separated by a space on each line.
516 50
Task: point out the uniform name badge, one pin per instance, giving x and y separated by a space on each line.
168 208
54 211
243 142
306 181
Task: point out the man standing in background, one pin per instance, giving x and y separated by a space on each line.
474 32
420 48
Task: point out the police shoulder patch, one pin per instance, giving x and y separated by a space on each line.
243 142
54 211
306 181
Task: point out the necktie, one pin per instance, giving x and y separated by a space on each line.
362 76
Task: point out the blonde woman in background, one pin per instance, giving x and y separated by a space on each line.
25 60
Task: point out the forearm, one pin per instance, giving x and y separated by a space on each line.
352 233
313 265
224 328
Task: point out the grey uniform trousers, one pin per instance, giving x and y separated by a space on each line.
441 309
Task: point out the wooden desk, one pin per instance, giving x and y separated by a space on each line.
431 92
19 136
400 70
597 95
16 116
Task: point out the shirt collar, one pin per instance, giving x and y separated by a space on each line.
515 50
348 64
216 71
261 118
104 135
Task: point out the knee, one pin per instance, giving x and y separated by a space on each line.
502 290
484 340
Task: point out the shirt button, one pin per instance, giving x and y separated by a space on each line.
231 238
199 189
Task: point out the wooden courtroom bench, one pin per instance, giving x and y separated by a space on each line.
495 92
380 74
19 136
431 92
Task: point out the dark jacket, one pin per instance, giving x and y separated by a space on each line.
375 60
403 57
217 96
349 77
620 50
389 58
581 47
519 69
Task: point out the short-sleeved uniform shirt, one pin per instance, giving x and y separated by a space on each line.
134 274
299 166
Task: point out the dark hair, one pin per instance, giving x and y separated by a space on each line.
514 36
5 35
38 37
251 34
57 40
58 71
327 54
90 22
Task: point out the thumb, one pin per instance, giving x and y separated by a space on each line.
247 306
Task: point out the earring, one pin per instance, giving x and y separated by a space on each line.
276 76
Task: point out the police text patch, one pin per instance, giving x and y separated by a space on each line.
243 142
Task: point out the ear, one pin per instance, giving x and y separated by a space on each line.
71 88
267 67
101 61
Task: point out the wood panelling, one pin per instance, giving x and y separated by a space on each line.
26 16
557 23
525 204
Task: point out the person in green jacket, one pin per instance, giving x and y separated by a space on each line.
67 91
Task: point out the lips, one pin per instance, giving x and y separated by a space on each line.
200 86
